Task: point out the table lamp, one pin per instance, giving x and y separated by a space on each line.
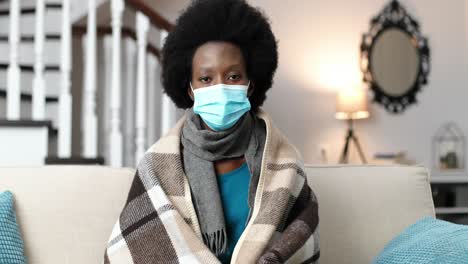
351 104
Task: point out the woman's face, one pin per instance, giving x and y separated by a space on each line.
218 62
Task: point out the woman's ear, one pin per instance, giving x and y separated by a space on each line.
251 89
190 93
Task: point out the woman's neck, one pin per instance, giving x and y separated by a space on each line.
228 165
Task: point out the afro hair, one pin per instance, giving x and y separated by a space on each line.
232 21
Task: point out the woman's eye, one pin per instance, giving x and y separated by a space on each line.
204 79
235 77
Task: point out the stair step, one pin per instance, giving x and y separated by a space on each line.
27 8
52 22
24 67
30 123
25 142
74 160
25 123
26 50
52 78
51 112
28 97
30 38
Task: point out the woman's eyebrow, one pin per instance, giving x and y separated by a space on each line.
205 69
234 65
227 68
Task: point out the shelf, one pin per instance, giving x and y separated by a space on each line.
74 161
450 179
451 210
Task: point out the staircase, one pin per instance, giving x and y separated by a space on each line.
68 72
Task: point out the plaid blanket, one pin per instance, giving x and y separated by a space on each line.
158 223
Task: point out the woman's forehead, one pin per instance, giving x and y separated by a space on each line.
217 55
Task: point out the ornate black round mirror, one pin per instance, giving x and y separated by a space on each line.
394 58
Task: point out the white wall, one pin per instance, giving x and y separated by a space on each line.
319 54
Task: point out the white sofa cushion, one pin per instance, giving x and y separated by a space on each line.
66 213
361 208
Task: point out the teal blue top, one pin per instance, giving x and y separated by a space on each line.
234 189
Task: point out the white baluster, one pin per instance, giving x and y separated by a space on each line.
13 72
117 7
142 24
129 101
38 91
153 100
90 118
65 99
168 109
104 92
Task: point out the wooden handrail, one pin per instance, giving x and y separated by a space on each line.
126 32
155 18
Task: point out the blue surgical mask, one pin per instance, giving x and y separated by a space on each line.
221 105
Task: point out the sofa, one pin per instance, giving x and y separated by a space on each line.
66 212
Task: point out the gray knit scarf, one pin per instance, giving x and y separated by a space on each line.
201 147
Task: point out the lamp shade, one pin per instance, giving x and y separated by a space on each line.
351 104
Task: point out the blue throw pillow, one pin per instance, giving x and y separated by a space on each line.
427 241
11 244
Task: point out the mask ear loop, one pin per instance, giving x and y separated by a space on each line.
193 93
191 86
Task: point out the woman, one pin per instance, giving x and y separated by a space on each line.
224 185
